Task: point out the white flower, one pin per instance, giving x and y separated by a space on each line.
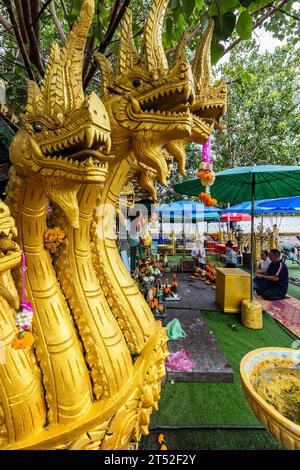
151 279
146 279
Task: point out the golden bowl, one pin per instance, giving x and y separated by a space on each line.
265 370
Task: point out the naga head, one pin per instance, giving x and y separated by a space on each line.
210 102
142 93
65 140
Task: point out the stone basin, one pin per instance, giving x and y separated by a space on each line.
271 383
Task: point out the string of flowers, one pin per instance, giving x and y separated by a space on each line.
24 317
206 175
53 238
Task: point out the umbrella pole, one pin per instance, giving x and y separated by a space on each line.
252 236
228 220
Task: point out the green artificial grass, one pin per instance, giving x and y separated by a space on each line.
294 271
219 403
212 440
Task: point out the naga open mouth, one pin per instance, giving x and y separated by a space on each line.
80 151
210 112
164 100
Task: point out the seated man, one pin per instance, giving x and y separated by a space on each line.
274 284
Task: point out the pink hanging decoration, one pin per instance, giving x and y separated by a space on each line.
24 316
206 151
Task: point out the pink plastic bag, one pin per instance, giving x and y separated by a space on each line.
180 361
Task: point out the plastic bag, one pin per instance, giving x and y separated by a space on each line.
180 361
174 329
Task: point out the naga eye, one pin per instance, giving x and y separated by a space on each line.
136 82
37 127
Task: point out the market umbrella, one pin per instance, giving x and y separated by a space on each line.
235 217
186 208
287 204
267 206
249 182
211 215
187 211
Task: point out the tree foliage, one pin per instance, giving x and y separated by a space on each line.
28 27
262 120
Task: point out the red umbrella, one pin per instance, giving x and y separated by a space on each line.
235 217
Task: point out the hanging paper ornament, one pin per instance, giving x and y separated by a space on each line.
24 317
206 174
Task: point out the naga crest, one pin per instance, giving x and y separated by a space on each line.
142 93
66 136
210 101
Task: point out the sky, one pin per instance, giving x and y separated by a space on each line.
266 41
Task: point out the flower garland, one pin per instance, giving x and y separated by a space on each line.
206 175
53 238
24 317
161 441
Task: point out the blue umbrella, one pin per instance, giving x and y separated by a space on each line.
267 206
197 216
186 208
286 204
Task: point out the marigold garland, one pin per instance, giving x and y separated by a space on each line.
162 442
23 340
53 237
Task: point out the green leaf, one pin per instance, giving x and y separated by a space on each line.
188 7
224 25
169 28
244 25
229 5
176 13
199 4
219 7
217 50
181 23
174 4
245 3
76 9
215 8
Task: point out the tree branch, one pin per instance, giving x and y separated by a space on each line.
290 15
44 7
35 8
19 39
108 36
89 53
19 10
256 25
34 50
57 22
5 118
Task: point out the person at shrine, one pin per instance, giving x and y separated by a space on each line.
199 254
264 262
274 284
231 257
134 240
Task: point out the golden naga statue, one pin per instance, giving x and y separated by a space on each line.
140 97
93 375
149 105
